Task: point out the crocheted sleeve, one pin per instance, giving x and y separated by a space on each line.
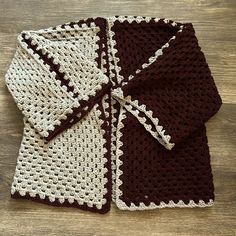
175 94
53 83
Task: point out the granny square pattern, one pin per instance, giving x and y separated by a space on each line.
114 109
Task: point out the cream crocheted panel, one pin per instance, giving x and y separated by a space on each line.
71 167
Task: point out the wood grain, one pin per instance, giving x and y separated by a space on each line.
215 25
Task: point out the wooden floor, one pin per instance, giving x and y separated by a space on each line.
215 25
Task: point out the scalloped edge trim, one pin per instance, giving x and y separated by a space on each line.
17 195
113 146
112 71
152 205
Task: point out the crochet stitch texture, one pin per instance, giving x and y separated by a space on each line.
114 109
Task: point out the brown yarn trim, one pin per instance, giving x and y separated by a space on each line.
73 118
107 127
106 207
49 61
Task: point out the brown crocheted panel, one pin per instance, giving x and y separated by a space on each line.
167 89
177 87
136 42
149 173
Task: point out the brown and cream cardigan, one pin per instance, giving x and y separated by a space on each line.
114 109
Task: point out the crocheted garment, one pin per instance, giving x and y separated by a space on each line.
114 109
